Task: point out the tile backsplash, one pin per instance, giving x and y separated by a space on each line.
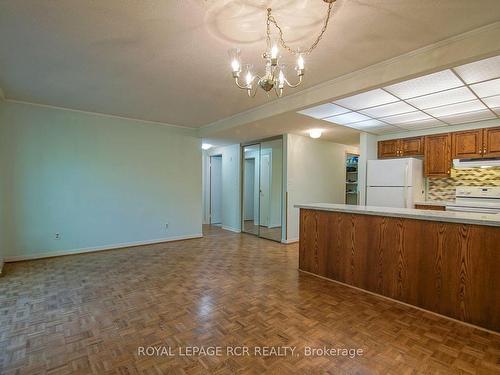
444 188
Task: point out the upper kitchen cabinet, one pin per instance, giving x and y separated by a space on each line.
412 146
437 155
491 142
404 147
467 144
388 149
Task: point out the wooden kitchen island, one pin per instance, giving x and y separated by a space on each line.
444 262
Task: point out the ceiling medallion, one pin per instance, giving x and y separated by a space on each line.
274 75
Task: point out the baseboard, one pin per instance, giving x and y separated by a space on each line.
231 229
99 248
291 240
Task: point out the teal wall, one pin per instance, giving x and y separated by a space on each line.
97 180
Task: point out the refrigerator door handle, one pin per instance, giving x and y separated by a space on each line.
406 186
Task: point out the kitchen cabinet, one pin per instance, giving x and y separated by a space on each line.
437 155
412 146
388 149
404 147
467 144
491 142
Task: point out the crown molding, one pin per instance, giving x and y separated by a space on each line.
460 49
179 127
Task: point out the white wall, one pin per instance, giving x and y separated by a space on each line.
367 151
315 174
99 181
230 185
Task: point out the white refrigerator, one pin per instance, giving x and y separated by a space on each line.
394 182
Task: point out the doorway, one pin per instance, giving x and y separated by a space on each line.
216 189
262 185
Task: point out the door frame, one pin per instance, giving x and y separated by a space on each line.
210 187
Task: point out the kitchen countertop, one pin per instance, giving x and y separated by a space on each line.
434 203
410 213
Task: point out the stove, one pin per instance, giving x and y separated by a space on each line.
480 199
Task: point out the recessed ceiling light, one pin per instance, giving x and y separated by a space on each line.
206 146
462 118
460 94
347 118
367 99
488 88
324 110
315 133
424 85
480 70
388 110
407 117
492 101
453 109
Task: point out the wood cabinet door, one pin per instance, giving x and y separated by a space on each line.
412 146
468 144
437 154
388 149
491 141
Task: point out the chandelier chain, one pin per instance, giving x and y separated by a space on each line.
271 19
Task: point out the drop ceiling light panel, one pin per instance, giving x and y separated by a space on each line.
367 99
453 109
388 110
488 88
425 124
492 101
428 84
367 125
407 117
347 118
463 118
460 94
324 110
385 130
480 70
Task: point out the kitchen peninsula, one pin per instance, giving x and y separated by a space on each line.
444 262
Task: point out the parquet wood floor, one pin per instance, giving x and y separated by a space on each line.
87 314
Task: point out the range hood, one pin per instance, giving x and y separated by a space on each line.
476 163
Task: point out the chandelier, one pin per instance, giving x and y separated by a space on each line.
274 71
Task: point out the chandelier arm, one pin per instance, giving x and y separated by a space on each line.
279 92
271 19
294 85
237 81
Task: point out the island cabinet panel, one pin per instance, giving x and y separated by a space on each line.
467 144
491 143
447 268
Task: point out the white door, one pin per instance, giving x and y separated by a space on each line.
389 197
265 189
215 189
390 172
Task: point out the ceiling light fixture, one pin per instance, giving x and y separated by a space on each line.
315 133
206 146
274 75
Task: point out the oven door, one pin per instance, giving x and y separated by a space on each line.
479 210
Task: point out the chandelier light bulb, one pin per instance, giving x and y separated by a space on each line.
315 133
281 79
274 52
235 65
300 62
249 78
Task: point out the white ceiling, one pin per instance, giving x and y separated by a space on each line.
166 60
453 96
